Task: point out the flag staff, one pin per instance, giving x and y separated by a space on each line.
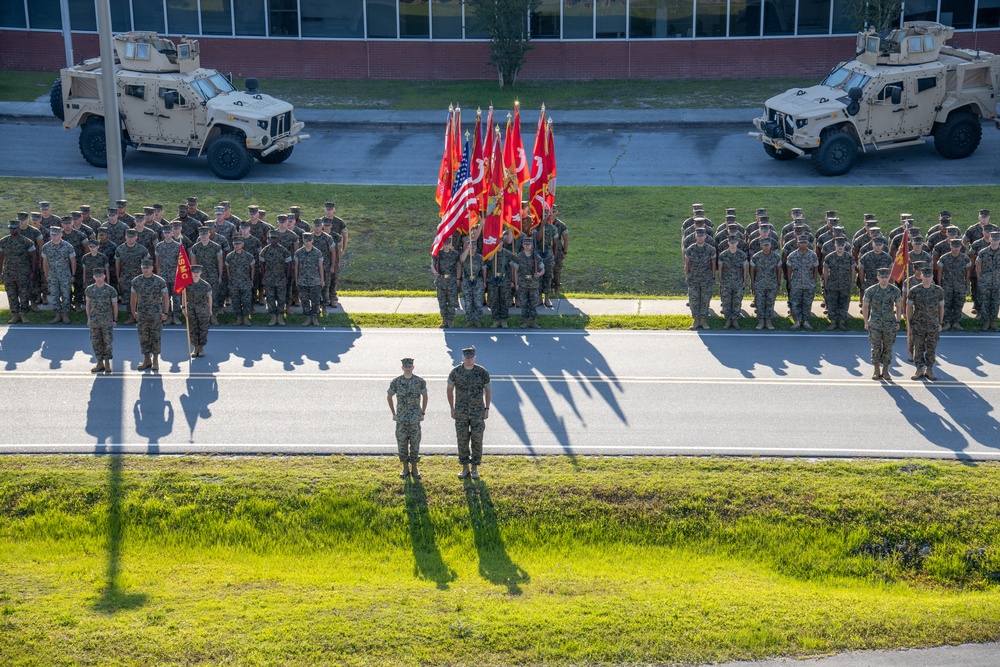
187 326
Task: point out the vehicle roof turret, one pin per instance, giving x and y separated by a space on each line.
914 43
142 51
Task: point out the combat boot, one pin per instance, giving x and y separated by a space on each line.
760 324
57 319
214 321
99 367
769 324
308 322
704 323
66 318
886 375
877 373
957 327
919 373
496 324
24 317
833 326
156 362
201 350
130 320
194 351
807 326
546 302
796 326
14 318
503 324
728 324
107 366
736 323
315 320
146 363
238 321
273 320
246 321
281 321
842 325
929 373
34 307
534 323
524 323
695 324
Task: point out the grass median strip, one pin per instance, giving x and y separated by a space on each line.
562 560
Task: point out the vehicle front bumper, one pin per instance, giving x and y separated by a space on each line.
281 143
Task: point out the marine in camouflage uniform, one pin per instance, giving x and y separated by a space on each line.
411 402
526 265
150 304
870 262
275 267
60 262
880 307
78 240
325 243
474 286
240 266
838 274
802 283
102 312
208 254
289 237
168 252
988 269
445 268
467 384
35 280
17 258
562 249
699 270
309 268
765 267
547 242
338 229
499 272
733 266
128 263
954 279
116 228
924 310
198 310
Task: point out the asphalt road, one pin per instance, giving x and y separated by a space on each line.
409 155
568 393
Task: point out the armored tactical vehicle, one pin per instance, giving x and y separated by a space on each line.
903 84
169 104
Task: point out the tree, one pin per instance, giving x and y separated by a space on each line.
506 22
877 14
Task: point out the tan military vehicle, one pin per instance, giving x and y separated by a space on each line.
169 104
903 85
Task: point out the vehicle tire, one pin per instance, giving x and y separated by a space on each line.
959 136
94 145
779 154
836 153
277 157
56 100
229 158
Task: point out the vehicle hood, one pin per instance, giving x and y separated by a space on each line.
258 106
809 102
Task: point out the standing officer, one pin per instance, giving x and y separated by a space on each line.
411 405
94 259
309 262
880 308
475 284
116 228
150 305
128 265
699 269
78 240
988 272
194 212
562 249
528 269
102 314
924 312
445 268
208 253
240 266
802 283
167 253
732 281
59 266
468 383
953 275
34 280
337 226
500 270
550 239
838 275
17 264
765 276
123 215
198 311
275 266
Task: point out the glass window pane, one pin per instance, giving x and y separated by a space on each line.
147 15
414 20
250 18
744 18
710 18
12 14
844 21
814 17
121 17
578 19
382 18
216 17
611 19
284 17
44 15
182 17
779 17
660 18
83 15
545 20
920 10
470 30
447 18
957 13
989 14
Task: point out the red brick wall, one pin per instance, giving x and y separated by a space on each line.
398 59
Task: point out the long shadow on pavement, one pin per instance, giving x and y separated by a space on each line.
202 391
495 564
967 409
930 426
113 598
782 352
18 345
427 560
152 412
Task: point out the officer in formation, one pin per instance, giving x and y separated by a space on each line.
802 266
838 276
309 269
445 268
500 272
473 283
988 274
59 267
240 266
881 310
17 264
699 270
469 397
150 304
733 267
411 405
924 314
276 262
102 315
198 310
529 268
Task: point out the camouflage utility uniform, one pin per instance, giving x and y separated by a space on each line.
700 280
954 282
408 393
802 284
469 424
130 259
765 282
17 264
198 313
310 279
882 320
149 307
732 282
924 324
837 288
446 283
988 261
527 284
60 273
101 321
498 268
240 266
276 259
167 253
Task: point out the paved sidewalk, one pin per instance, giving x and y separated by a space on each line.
964 655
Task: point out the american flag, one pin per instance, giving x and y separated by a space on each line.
463 199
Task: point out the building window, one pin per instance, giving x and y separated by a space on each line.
249 18
744 18
284 18
920 10
147 15
83 15
611 19
121 16
578 19
446 19
814 17
216 17
844 21
414 19
12 14
471 32
779 17
182 17
710 18
382 19
957 13
44 14
545 20
660 18
989 14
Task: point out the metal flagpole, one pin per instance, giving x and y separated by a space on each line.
187 326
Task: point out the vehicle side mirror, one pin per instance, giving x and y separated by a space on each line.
169 99
855 93
896 93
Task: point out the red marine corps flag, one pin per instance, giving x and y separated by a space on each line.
537 187
511 188
446 172
184 276
523 170
902 260
550 165
493 227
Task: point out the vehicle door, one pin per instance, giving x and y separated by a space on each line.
922 98
174 117
885 109
138 109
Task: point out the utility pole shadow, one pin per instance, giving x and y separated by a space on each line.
113 598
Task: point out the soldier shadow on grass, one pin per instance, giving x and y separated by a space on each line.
781 352
495 564
428 563
112 598
543 360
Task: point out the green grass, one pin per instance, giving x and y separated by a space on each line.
556 561
624 240
420 95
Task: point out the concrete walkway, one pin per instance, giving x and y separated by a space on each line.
964 655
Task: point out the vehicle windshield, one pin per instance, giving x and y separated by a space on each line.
212 86
221 83
846 79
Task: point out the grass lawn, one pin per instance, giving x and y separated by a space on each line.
407 95
624 240
557 561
